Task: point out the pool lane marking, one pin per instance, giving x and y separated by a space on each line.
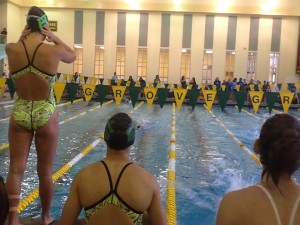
171 192
4 146
63 104
251 154
251 114
26 201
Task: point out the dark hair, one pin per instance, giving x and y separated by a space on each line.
279 144
119 131
3 202
36 19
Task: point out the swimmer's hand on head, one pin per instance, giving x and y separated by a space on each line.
25 33
50 37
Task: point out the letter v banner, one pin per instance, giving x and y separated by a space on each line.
240 97
193 97
150 95
88 90
209 97
179 96
2 84
59 88
256 97
223 97
162 94
118 93
102 91
286 100
134 94
271 98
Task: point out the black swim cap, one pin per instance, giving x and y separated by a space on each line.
119 131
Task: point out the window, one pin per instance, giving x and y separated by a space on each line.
142 63
99 62
120 64
251 65
185 63
273 69
207 67
164 65
230 61
77 65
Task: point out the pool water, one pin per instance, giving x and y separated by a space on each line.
208 162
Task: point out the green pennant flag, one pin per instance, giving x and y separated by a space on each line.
134 94
279 86
223 97
58 75
162 94
155 84
271 98
218 87
193 97
102 91
72 90
240 97
101 80
11 87
132 84
166 85
85 79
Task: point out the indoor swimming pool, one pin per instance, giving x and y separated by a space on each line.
209 162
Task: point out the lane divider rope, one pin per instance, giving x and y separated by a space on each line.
26 201
4 146
171 190
251 154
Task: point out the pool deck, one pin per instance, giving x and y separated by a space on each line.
26 221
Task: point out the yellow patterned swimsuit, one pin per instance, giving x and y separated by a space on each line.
113 198
29 114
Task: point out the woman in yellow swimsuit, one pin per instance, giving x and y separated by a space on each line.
115 190
33 65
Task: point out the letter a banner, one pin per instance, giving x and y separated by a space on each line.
209 97
2 83
118 93
88 90
256 97
286 100
150 95
179 96
59 88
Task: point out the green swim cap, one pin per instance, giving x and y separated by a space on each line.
119 131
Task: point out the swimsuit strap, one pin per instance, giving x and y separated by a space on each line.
293 215
108 174
118 180
27 55
272 202
35 52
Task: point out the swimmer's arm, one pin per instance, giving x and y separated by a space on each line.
72 207
67 54
156 214
24 34
224 215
